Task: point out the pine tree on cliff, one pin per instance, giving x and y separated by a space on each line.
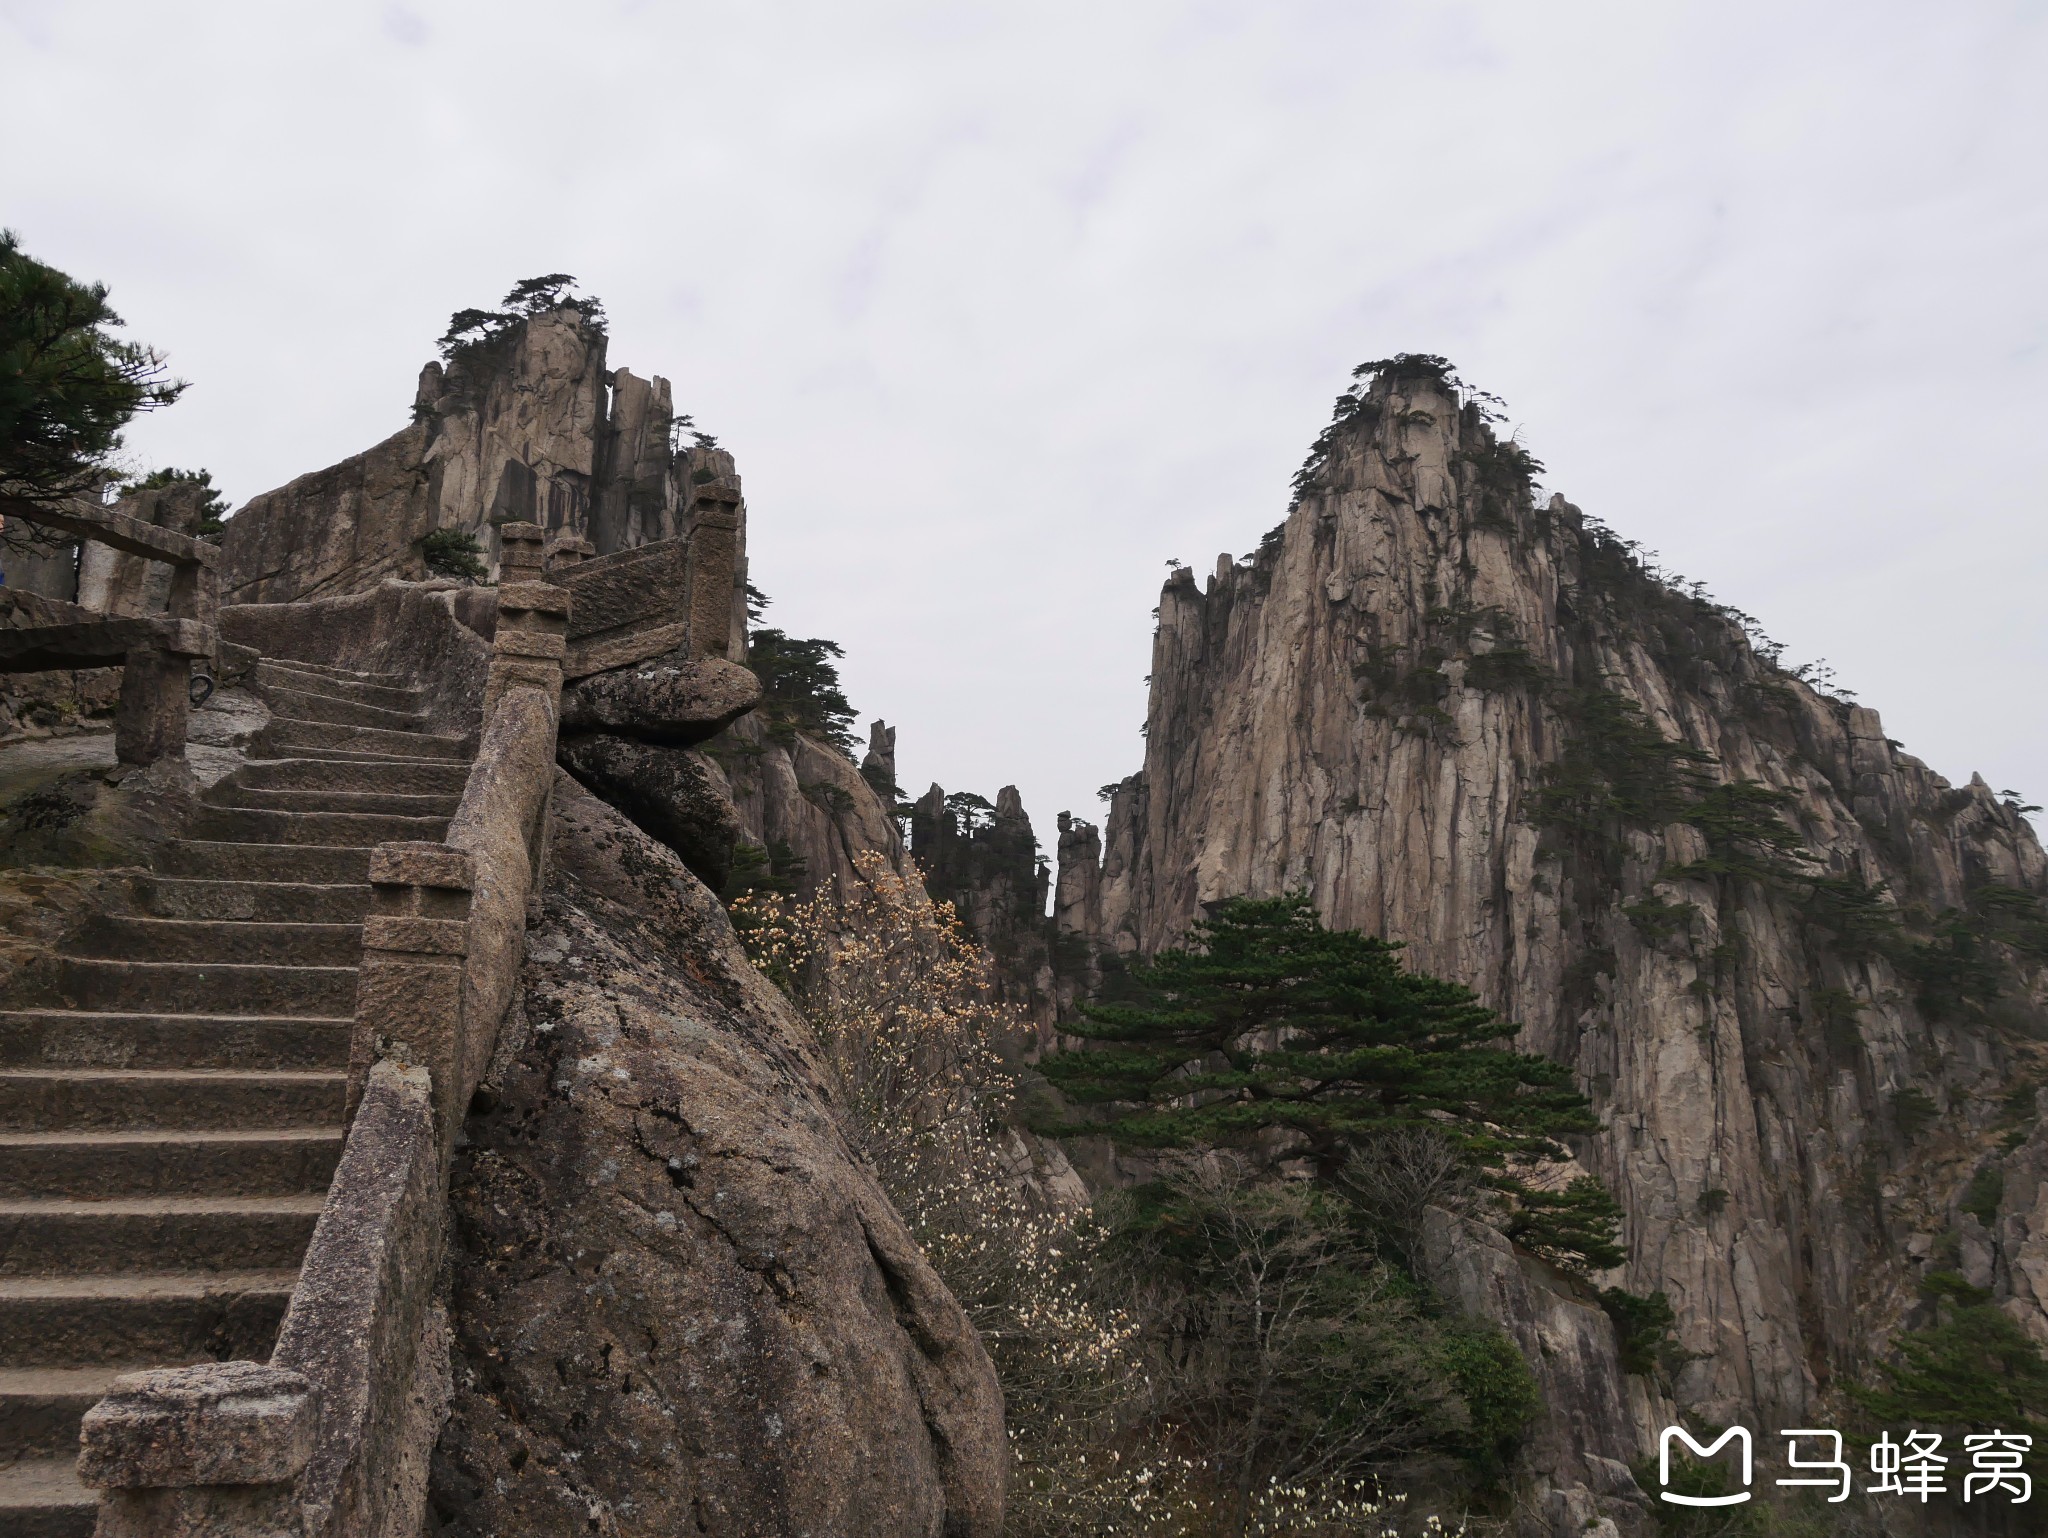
67 387
1266 1021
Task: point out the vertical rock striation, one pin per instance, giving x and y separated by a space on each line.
1788 961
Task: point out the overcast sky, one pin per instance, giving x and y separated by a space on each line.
1001 306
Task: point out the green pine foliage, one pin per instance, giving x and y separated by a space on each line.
472 329
800 690
1578 1228
67 385
1269 1023
1643 1325
1499 1393
1267 1020
213 507
454 553
1973 1366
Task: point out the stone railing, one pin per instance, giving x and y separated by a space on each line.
155 652
331 1437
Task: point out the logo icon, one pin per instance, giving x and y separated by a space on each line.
1736 1434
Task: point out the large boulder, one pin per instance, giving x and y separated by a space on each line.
681 1303
671 699
670 792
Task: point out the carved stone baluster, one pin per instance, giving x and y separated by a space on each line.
714 558
409 991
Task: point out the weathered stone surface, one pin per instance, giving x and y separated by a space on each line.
410 629
680 1303
984 860
806 803
632 586
673 794
878 764
224 1423
635 496
1567 1338
508 432
672 700
2018 1261
114 583
1370 709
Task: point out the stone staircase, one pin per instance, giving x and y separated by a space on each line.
171 1088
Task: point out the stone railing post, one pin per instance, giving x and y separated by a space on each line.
156 700
531 640
714 559
533 620
415 945
209 1450
195 595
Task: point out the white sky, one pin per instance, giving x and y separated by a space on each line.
1000 306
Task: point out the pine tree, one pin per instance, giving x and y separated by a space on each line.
1973 1366
67 387
1266 1020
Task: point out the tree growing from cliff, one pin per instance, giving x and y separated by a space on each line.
800 690
454 553
1972 1366
1268 1023
67 385
468 329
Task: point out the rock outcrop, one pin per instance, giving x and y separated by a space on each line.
527 425
1589 1402
983 858
1789 962
626 735
681 1303
807 813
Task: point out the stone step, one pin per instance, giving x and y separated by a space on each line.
229 860
298 705
373 756
40 1407
42 1498
384 802
268 674
69 1321
285 737
407 776
244 825
199 988
169 1099
168 1233
329 670
272 902
69 1038
89 1166
212 941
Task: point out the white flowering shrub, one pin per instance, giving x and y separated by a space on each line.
1107 1439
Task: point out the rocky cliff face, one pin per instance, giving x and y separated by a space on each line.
681 1302
525 425
983 858
806 814
1797 971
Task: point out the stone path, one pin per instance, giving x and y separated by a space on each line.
171 1091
